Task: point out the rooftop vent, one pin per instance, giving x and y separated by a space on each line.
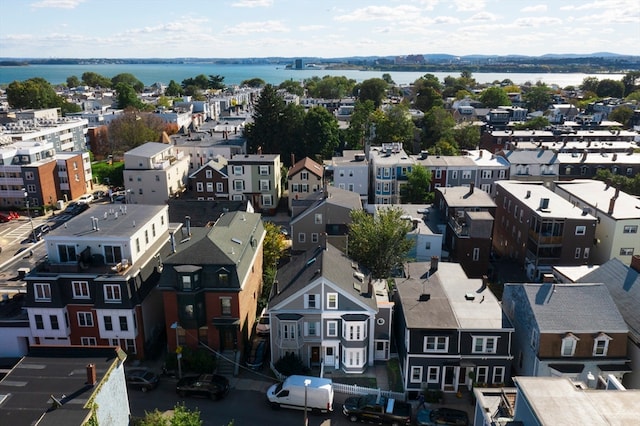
469 296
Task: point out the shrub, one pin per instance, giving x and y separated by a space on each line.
291 364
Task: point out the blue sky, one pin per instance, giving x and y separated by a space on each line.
321 28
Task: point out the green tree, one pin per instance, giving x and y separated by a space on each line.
73 81
494 97
182 416
438 124
373 89
133 128
387 77
630 82
608 88
37 93
93 79
173 89
379 242
127 97
395 125
321 132
216 82
253 82
329 87
416 190
427 93
128 79
273 249
359 125
622 115
292 86
538 98
589 84
444 147
467 136
633 96
536 123
200 82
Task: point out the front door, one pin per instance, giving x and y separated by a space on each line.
315 355
449 381
330 357
381 350
227 339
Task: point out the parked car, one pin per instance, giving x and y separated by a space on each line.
98 195
291 393
141 378
85 199
40 230
262 326
442 416
211 386
7 216
75 208
377 409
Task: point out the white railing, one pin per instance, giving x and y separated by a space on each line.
361 390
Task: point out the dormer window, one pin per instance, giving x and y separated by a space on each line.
569 344
188 277
601 345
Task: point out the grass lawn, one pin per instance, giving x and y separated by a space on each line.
395 378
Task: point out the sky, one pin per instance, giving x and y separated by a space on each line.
315 28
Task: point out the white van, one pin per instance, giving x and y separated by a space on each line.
290 393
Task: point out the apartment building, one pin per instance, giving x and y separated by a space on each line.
389 166
257 178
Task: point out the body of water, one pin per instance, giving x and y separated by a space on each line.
273 74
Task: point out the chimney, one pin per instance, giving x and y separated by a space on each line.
260 150
293 159
612 204
635 262
547 278
615 157
91 374
584 156
434 264
187 224
480 153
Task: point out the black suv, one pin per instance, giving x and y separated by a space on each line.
211 386
442 416
142 379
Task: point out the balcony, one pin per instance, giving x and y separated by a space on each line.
459 226
545 239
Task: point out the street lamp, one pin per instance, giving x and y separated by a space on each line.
307 382
175 326
33 231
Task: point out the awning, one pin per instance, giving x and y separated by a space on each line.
225 322
289 317
567 368
355 317
615 367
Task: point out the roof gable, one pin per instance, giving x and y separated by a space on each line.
306 164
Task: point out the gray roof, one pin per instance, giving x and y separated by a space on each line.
329 263
202 212
543 156
578 308
450 305
148 149
334 197
461 196
623 283
598 194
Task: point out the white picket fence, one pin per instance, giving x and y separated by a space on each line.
361 390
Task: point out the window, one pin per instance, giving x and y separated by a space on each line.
39 322
302 237
581 230
219 187
223 279
576 255
310 301
630 229
354 357
314 237
42 292
601 345
438 174
534 338
54 322
264 170
586 252
433 374
108 324
436 344
498 375
88 341
481 374
476 254
267 200
569 345
486 174
238 185
416 374
130 346
466 174
332 300
332 328
199 187
225 306
289 330
237 170
317 218
124 325
484 345
112 254
265 185
304 175
454 174
67 253
626 251
208 174
354 331
186 283
112 293
311 328
85 319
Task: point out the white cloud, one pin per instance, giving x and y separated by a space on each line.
483 17
445 20
536 8
469 5
252 3
380 13
57 4
537 21
311 27
244 28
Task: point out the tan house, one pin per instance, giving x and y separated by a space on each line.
304 177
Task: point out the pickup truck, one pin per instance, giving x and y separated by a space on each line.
377 409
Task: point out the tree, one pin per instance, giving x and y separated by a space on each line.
427 93
395 125
589 84
293 87
630 81
128 79
359 125
329 87
173 89
321 132
467 136
93 79
216 82
438 124
127 97
608 88
373 89
266 131
37 93
416 190
253 82
387 77
73 81
536 123
538 98
494 97
622 115
182 416
133 128
200 82
379 242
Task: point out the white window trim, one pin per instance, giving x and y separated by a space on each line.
107 299
581 230
352 327
329 304
485 369
88 341
601 338
39 293
85 315
316 298
437 375
416 369
335 334
569 339
485 339
497 369
437 340
84 285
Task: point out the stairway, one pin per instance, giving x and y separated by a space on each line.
224 365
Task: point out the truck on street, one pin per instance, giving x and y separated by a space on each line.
291 393
377 409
